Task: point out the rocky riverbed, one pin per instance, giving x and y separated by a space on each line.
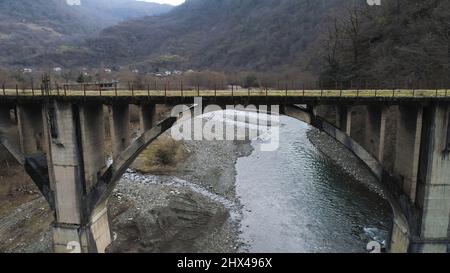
193 210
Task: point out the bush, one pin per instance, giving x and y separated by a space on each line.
167 151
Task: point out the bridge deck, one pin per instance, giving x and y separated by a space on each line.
228 96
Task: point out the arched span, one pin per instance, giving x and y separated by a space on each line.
106 184
303 114
400 221
108 180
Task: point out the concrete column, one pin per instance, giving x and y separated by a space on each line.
390 137
71 138
65 158
375 126
434 189
348 124
120 128
409 133
344 119
5 124
5 116
93 142
147 117
31 129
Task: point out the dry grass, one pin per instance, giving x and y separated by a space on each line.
161 156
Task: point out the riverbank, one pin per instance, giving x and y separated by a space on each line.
344 159
195 209
25 216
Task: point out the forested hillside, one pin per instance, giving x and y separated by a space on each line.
402 43
32 28
215 34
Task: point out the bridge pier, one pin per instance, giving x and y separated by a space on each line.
375 133
74 141
147 116
344 118
433 190
119 115
5 116
409 134
93 142
5 125
31 129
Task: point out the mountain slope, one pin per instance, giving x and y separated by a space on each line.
402 43
111 12
31 28
217 34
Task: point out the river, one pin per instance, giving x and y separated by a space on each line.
296 199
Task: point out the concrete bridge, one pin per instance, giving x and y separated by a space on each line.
402 135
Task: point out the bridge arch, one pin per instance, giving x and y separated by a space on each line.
107 182
400 222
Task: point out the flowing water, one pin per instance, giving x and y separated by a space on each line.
295 199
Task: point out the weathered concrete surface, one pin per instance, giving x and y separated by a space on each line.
434 189
77 158
69 239
327 112
31 129
358 124
375 133
147 117
344 118
65 161
93 142
340 136
356 148
390 144
297 113
400 236
99 228
120 128
409 130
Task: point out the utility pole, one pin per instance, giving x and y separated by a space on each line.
46 84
